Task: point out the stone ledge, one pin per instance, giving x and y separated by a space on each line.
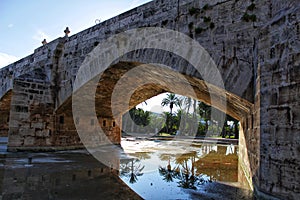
262 195
45 148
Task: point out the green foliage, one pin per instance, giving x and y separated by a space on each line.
251 7
139 116
191 25
199 30
211 25
165 22
247 18
201 130
171 100
206 7
194 11
206 19
230 131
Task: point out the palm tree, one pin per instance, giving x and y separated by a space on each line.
205 113
186 103
171 100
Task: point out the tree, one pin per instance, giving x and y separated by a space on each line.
186 104
171 100
139 118
205 113
227 129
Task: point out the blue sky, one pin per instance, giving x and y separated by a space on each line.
25 23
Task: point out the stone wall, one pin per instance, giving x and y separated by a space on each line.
279 121
228 38
5 102
31 119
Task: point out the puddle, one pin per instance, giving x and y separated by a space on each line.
180 169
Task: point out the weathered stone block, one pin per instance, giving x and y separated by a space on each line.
27 132
29 141
38 125
280 115
42 133
289 93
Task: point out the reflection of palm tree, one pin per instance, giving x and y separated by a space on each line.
187 181
187 176
168 173
184 172
132 171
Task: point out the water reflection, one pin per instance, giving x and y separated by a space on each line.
184 172
69 175
190 170
131 168
154 170
166 166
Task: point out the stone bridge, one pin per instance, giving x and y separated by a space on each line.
255 46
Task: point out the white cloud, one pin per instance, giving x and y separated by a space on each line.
6 59
154 104
40 36
10 25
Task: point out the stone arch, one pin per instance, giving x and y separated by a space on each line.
173 57
236 106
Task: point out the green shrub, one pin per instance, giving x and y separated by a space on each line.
251 7
194 11
199 30
247 18
206 19
206 7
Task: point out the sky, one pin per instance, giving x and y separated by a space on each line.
24 24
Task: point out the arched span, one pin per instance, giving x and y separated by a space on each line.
126 84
